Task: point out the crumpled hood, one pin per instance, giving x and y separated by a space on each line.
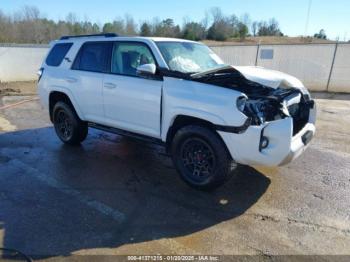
270 78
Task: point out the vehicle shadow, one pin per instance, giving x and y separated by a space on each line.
42 215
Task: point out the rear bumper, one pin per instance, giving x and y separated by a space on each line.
43 95
283 146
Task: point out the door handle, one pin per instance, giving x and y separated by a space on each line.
110 85
71 80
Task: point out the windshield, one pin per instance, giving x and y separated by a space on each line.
187 57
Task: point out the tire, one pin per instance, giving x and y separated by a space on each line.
69 128
201 158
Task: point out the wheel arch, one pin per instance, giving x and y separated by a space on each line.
181 121
60 96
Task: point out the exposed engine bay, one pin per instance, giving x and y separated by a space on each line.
278 104
262 103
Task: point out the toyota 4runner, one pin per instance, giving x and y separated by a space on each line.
209 116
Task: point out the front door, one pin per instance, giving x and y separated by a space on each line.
131 102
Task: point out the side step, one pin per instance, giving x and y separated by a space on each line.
121 132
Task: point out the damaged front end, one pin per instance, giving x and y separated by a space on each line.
262 103
281 117
278 104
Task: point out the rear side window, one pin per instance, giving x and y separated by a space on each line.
57 53
94 57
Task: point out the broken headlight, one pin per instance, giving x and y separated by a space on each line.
241 103
262 110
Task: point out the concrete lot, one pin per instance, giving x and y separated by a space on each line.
116 196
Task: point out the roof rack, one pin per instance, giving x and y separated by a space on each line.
78 36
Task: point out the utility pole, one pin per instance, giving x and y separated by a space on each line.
308 18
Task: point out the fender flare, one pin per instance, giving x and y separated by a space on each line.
190 112
69 94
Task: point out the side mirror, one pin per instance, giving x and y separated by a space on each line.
146 69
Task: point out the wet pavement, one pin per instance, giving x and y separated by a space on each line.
112 195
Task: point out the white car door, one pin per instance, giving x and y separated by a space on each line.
131 102
86 79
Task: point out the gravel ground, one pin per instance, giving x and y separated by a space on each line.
18 88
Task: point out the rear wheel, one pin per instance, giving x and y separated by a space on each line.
69 128
201 158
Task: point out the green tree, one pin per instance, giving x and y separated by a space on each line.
167 28
108 28
270 28
222 27
116 27
220 30
145 29
29 25
242 31
194 31
321 34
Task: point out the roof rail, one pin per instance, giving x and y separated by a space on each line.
78 36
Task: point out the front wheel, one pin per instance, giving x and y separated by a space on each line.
201 158
69 128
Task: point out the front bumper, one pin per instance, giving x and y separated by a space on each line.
283 146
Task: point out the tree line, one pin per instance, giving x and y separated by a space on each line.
29 25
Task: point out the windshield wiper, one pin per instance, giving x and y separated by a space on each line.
174 73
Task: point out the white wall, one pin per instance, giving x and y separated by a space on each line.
20 63
340 80
310 62
237 55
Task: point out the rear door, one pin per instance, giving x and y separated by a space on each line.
131 102
86 78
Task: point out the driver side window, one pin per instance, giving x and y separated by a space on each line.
128 56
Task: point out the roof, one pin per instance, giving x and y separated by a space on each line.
168 39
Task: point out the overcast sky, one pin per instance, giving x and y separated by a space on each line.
331 15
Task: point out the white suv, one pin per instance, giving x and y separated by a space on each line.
209 116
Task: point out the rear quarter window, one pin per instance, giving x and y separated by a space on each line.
94 57
57 54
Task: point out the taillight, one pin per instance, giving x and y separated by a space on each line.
40 73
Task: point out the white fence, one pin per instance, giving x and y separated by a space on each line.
21 62
322 67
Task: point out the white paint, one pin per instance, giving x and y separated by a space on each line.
270 77
137 101
189 98
282 149
50 181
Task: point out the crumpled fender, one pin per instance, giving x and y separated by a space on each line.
270 78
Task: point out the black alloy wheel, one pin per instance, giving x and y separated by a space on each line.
64 127
198 159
